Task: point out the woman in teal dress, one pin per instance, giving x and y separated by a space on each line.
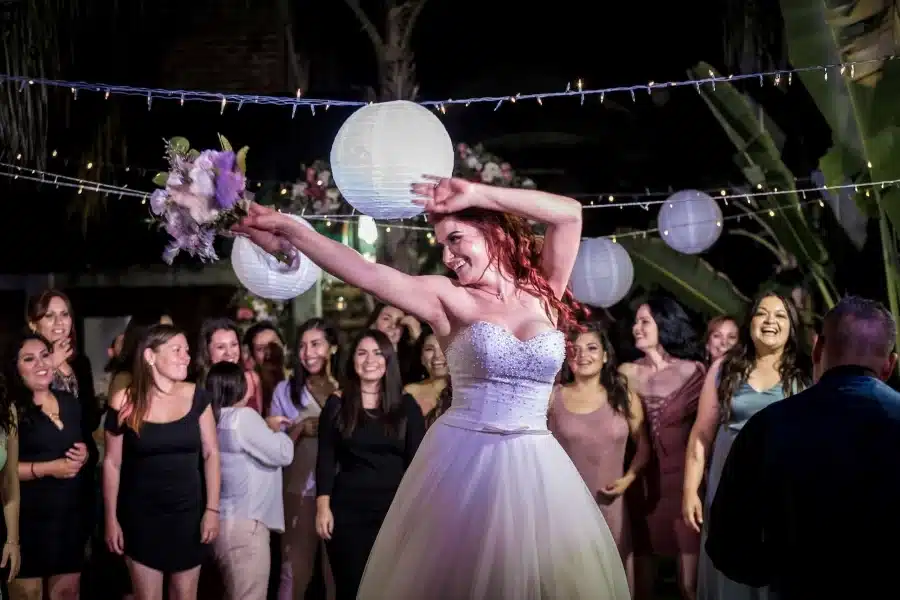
766 365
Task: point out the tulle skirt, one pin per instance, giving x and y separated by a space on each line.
491 516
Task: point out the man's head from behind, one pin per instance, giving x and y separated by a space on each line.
857 331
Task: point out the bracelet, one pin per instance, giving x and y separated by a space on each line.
212 510
12 543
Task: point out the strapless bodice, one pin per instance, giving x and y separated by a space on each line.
502 384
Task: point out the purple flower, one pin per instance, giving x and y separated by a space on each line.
171 252
158 200
230 186
224 161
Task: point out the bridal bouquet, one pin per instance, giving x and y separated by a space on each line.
203 194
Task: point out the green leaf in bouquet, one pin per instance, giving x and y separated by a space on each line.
226 145
160 179
179 145
193 154
242 159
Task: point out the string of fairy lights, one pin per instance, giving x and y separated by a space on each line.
577 90
750 209
285 187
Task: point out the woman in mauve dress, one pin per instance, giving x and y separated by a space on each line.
592 416
668 381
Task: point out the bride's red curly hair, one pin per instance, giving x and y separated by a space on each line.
515 249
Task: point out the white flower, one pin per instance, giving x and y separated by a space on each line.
204 161
202 182
174 179
324 178
527 183
472 162
490 172
263 316
258 305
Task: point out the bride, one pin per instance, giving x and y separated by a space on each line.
491 508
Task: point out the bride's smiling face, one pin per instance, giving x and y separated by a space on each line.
465 249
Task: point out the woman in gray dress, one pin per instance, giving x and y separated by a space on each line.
766 365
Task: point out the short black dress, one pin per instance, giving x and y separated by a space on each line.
54 520
160 503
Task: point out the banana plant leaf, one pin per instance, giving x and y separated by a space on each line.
761 159
692 280
864 116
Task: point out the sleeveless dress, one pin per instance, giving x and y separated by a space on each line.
491 507
161 493
711 584
596 443
54 517
654 500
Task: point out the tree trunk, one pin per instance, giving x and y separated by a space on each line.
397 81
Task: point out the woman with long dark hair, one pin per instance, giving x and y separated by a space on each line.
429 389
157 431
220 341
368 435
265 346
765 366
502 321
54 515
252 453
668 379
593 414
404 331
300 399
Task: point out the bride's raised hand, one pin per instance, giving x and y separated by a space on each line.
443 195
265 227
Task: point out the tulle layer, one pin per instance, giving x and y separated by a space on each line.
487 516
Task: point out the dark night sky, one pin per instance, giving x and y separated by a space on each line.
464 48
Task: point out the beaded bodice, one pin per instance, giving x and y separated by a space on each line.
502 384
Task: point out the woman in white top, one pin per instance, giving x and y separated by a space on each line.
252 451
300 399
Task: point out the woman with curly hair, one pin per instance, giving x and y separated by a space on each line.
594 415
488 470
765 366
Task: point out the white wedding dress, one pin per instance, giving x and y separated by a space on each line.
491 507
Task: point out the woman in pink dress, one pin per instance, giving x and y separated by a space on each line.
668 379
593 416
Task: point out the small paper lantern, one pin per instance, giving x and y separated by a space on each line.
265 276
690 221
384 148
603 273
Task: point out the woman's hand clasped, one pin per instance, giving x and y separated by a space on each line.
447 195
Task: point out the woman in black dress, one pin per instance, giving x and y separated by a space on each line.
157 429
367 438
54 517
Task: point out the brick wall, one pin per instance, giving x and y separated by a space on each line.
235 49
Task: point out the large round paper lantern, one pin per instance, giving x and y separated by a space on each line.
381 150
265 276
603 273
690 221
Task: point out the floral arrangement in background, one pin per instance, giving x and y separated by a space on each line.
476 164
317 193
249 309
202 194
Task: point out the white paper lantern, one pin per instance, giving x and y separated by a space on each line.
265 276
384 148
603 273
690 221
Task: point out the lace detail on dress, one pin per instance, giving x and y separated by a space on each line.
502 384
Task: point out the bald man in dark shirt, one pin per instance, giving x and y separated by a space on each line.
809 499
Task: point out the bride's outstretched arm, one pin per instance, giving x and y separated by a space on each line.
563 219
421 295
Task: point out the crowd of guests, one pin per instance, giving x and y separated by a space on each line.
273 467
